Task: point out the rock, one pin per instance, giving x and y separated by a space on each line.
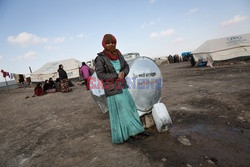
188 165
149 121
214 160
211 162
241 118
184 140
164 159
94 159
243 62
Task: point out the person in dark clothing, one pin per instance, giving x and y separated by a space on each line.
48 88
192 61
46 85
62 73
51 83
63 79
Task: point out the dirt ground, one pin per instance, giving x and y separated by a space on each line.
209 108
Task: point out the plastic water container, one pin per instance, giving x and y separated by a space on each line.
161 117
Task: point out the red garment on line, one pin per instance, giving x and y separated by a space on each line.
5 73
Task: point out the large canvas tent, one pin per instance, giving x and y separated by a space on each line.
224 48
49 70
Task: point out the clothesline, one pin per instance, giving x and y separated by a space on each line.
18 77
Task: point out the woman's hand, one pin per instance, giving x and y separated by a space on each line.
121 75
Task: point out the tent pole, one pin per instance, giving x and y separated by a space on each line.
30 70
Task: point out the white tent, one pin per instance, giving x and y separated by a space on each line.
49 70
224 48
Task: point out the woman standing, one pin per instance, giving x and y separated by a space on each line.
85 71
63 79
112 68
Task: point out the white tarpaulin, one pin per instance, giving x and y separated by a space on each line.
224 48
49 70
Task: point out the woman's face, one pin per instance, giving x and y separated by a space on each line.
110 47
110 43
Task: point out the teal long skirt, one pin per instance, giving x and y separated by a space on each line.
124 118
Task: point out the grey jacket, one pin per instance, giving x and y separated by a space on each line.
106 72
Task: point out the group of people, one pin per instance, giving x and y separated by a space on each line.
175 58
49 86
62 84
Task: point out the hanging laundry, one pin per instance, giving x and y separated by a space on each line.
8 74
16 77
5 73
21 79
11 75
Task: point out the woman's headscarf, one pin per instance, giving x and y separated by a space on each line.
110 51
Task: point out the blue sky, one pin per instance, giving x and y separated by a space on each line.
34 32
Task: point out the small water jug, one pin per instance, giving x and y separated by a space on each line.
161 117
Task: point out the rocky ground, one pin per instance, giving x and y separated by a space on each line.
209 108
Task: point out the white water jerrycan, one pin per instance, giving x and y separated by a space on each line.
161 117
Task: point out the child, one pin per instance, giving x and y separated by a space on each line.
38 91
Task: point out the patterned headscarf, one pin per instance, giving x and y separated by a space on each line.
111 52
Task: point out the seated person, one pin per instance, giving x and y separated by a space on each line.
51 83
38 91
70 83
47 88
58 85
